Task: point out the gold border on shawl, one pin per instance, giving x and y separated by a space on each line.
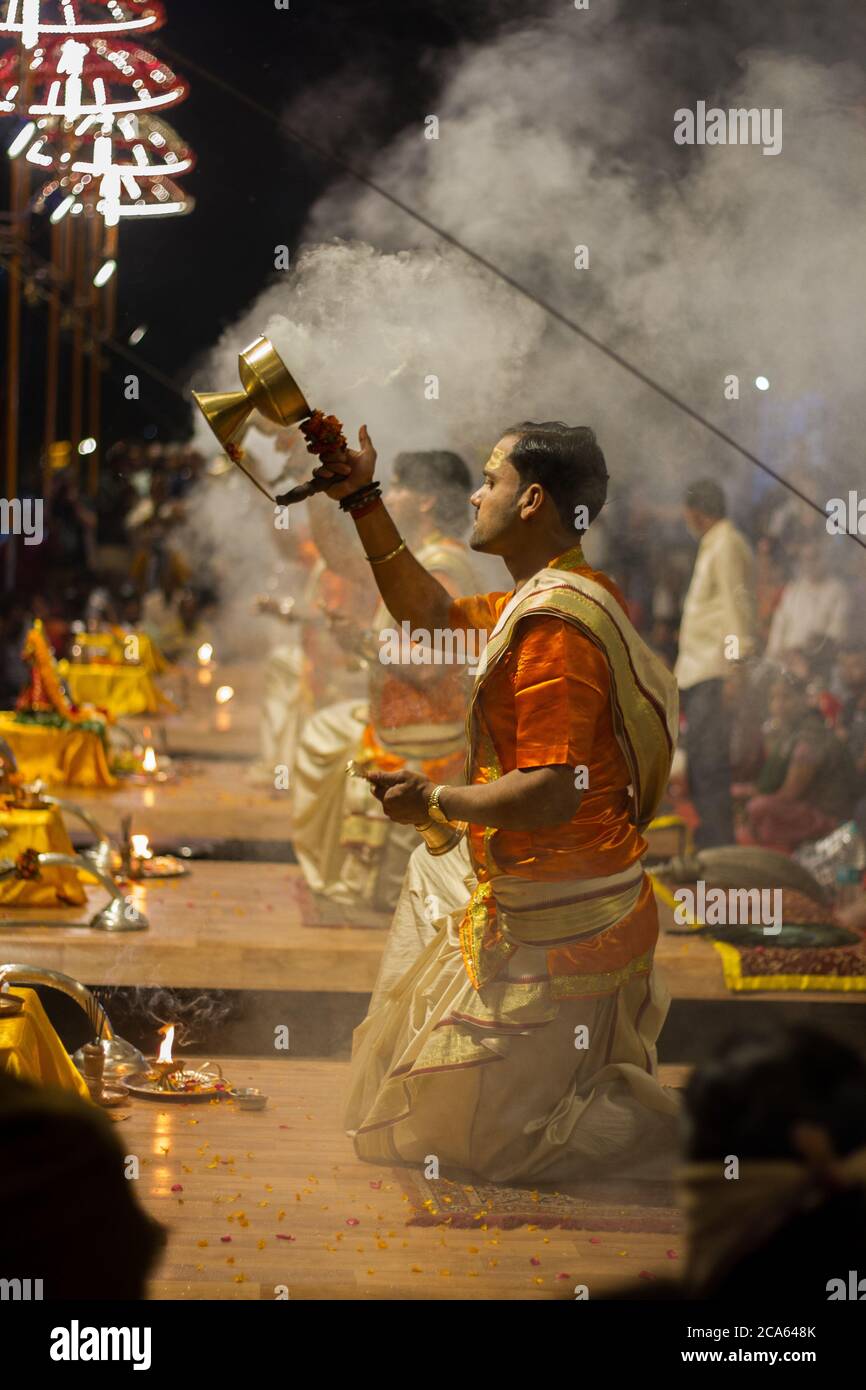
581 986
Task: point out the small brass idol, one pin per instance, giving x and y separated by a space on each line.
439 839
269 388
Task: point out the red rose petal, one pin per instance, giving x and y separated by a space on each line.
672 1254
595 1240
178 1187
376 1185
225 1239
280 1236
645 1274
352 1221
535 1260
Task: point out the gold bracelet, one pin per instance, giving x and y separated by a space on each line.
380 559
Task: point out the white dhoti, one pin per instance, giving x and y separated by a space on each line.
508 1081
285 706
354 875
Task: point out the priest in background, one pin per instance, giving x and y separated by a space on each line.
413 718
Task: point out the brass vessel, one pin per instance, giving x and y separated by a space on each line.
268 387
438 838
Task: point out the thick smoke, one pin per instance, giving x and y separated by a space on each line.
703 262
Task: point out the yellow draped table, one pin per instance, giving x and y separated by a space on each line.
114 647
123 691
45 832
67 757
31 1050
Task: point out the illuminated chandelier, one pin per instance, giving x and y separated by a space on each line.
93 77
33 20
125 165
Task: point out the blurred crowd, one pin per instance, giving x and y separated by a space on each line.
774 725
113 559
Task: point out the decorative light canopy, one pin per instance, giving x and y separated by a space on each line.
95 77
130 143
113 197
33 20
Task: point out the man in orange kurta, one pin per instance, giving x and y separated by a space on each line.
521 1041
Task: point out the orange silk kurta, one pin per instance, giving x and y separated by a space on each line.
546 704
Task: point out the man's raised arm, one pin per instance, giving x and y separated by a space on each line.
410 593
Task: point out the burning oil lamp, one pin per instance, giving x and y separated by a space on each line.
165 1065
140 851
223 721
205 658
169 1079
153 769
140 864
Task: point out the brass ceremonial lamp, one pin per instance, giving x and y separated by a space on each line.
438 838
269 387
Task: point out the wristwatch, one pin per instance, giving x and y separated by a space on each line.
433 811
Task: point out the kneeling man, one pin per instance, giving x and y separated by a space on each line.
520 1042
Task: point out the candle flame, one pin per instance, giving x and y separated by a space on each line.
167 1033
205 653
141 847
224 694
149 762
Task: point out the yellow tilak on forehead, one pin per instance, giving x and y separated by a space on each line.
497 458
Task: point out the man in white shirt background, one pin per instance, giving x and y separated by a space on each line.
718 629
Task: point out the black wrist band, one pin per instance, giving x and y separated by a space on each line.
364 494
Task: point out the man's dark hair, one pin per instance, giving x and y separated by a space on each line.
706 496
746 1097
445 476
745 1102
566 461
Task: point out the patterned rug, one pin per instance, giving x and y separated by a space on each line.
610 1206
316 911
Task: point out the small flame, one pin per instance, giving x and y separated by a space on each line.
167 1034
141 847
205 653
224 694
149 763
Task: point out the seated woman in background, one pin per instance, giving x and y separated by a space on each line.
804 788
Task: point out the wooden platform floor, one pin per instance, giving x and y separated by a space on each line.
207 800
242 926
252 926
290 1171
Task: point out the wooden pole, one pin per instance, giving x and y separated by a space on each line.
52 363
97 252
79 234
13 327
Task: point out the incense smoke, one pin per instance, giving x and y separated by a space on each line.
703 261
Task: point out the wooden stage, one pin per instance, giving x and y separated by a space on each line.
276 1199
254 926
